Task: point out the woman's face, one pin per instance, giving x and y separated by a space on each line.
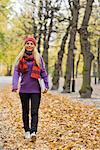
29 46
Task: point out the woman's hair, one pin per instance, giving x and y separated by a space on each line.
35 54
20 55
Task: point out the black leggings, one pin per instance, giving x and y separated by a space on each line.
35 102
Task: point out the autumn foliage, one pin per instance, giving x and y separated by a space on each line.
64 124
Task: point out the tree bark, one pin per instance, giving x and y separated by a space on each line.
77 64
34 22
47 39
98 60
40 24
9 70
45 52
86 89
71 47
57 70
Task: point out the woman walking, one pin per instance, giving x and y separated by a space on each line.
30 67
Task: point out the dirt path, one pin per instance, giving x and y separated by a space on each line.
95 98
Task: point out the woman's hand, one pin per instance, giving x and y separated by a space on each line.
45 91
14 90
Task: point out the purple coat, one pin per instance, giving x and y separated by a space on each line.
28 84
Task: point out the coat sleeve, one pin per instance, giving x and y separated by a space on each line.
15 78
43 73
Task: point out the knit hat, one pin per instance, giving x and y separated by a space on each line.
30 38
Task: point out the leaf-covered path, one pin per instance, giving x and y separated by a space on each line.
63 124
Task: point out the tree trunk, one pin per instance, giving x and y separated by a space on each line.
71 47
57 70
77 64
45 52
67 77
98 60
40 25
86 89
94 74
34 22
9 70
47 39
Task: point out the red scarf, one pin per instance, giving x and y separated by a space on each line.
23 66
